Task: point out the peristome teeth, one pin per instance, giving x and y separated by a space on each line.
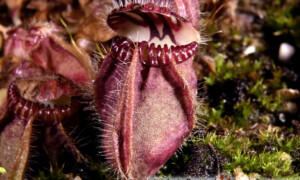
27 109
167 55
158 56
122 49
150 55
143 52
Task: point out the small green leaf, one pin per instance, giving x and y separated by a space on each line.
228 75
2 170
209 80
219 63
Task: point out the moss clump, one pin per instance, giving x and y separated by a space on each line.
53 175
269 164
228 70
248 98
241 92
244 153
279 141
283 17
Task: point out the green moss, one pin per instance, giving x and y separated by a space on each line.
261 90
283 18
280 15
213 115
54 175
229 70
225 144
279 141
269 164
242 154
242 113
260 96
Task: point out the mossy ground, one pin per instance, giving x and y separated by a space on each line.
243 113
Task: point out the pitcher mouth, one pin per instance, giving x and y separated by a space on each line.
159 32
28 98
153 24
